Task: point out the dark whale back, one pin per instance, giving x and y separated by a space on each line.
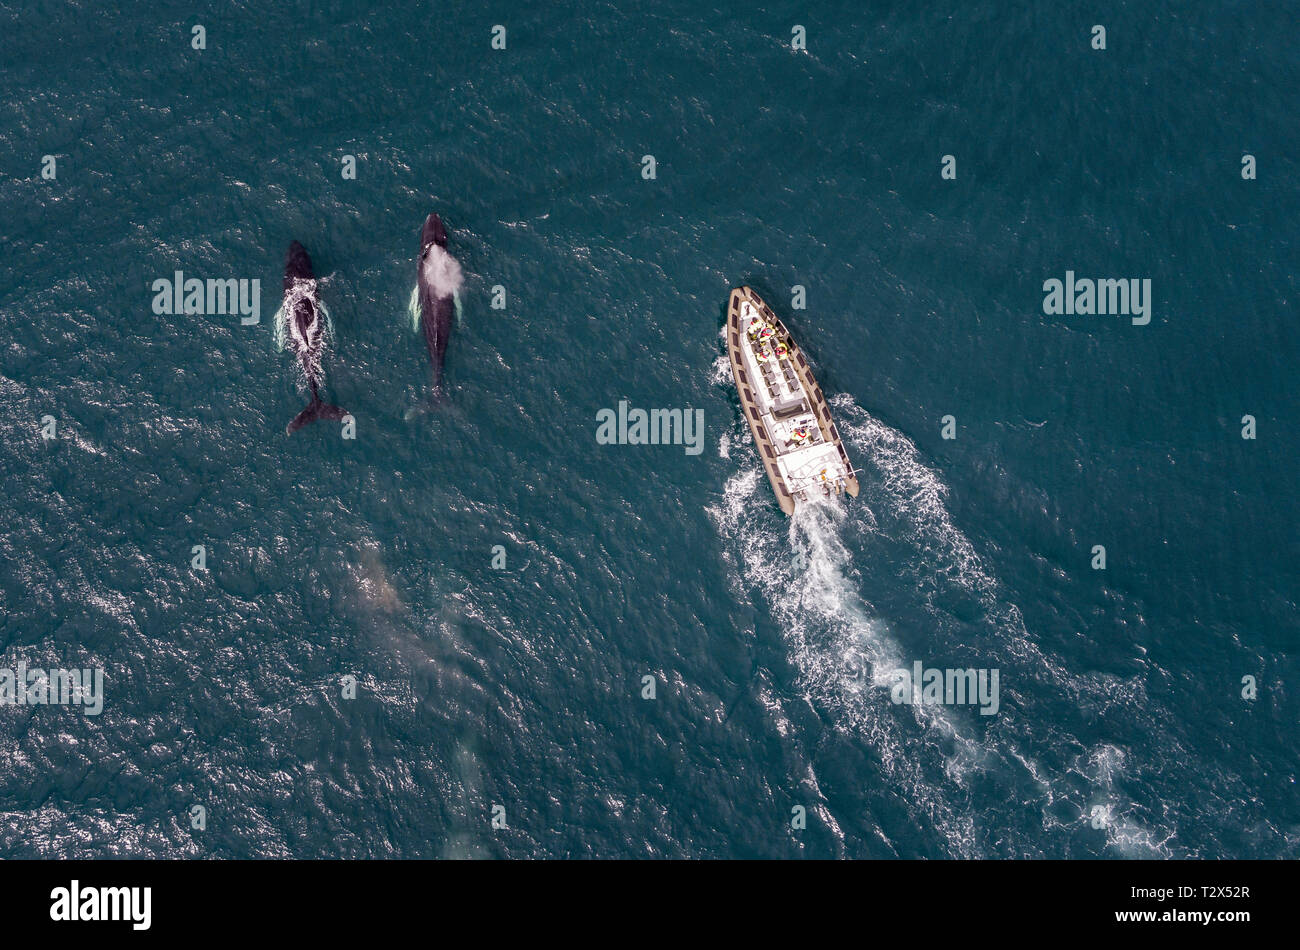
436 311
297 265
436 317
304 315
433 232
309 336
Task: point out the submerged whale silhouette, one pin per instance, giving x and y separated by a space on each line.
303 331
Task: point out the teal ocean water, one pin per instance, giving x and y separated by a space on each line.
516 691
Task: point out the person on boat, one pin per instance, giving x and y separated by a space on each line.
800 434
782 351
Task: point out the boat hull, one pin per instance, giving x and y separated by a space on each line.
767 450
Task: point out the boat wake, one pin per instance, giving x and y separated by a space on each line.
831 575
841 652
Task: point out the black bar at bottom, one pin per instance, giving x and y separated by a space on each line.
337 900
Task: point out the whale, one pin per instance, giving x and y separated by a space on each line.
303 329
438 279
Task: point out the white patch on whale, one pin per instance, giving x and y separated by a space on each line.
413 307
441 271
307 345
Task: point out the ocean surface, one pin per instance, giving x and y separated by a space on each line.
500 711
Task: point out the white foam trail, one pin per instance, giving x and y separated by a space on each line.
285 331
309 348
842 653
1104 768
442 271
909 498
916 495
808 575
278 329
720 375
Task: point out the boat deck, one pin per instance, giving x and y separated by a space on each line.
785 408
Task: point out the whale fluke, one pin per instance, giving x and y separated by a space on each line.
317 410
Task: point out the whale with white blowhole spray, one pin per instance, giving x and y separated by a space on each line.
434 300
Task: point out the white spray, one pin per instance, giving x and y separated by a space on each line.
320 332
442 272
810 571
